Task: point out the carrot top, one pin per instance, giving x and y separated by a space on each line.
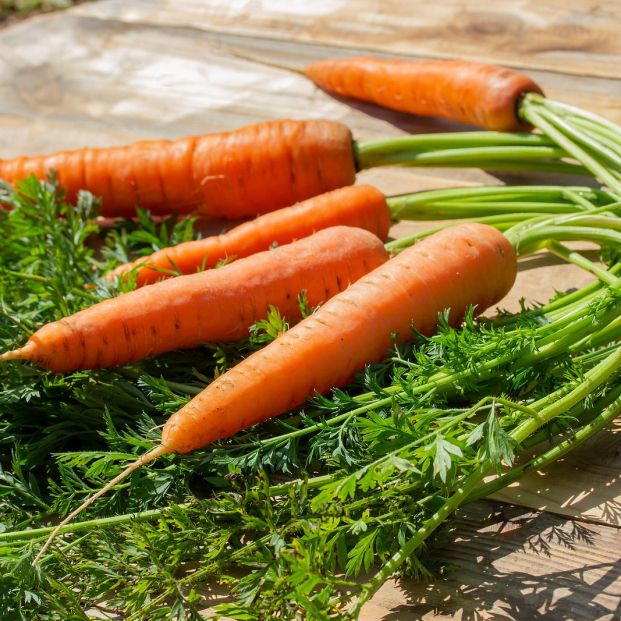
374 471
380 456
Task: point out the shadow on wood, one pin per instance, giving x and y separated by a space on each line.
511 565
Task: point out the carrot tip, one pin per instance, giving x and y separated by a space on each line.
15 354
152 455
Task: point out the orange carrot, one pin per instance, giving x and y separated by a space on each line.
468 92
214 306
361 206
233 175
471 264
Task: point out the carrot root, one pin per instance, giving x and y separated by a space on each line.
469 264
361 206
15 354
469 92
147 458
214 306
235 174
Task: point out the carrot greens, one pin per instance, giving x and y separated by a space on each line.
588 138
305 516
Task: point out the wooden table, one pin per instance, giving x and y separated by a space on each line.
114 71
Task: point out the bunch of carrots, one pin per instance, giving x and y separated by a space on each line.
314 234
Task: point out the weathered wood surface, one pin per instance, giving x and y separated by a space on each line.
512 565
111 72
568 36
586 484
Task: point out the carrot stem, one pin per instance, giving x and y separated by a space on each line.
602 133
106 522
497 150
543 114
593 378
535 239
557 452
572 256
466 202
448 140
501 222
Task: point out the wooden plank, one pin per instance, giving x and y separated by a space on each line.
586 484
565 36
512 565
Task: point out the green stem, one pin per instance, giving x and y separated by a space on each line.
566 109
591 358
593 219
542 461
375 152
26 276
532 240
575 296
578 199
572 256
599 374
391 566
555 342
401 208
602 133
108 522
532 111
493 162
524 151
609 333
502 222
603 152
505 193
592 379
117 520
451 155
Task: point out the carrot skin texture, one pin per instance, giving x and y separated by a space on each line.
234 175
468 92
471 264
214 306
361 206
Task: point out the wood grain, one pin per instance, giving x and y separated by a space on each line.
512 565
586 484
572 36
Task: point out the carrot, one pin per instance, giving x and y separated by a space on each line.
469 92
472 264
458 267
234 174
361 206
214 306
